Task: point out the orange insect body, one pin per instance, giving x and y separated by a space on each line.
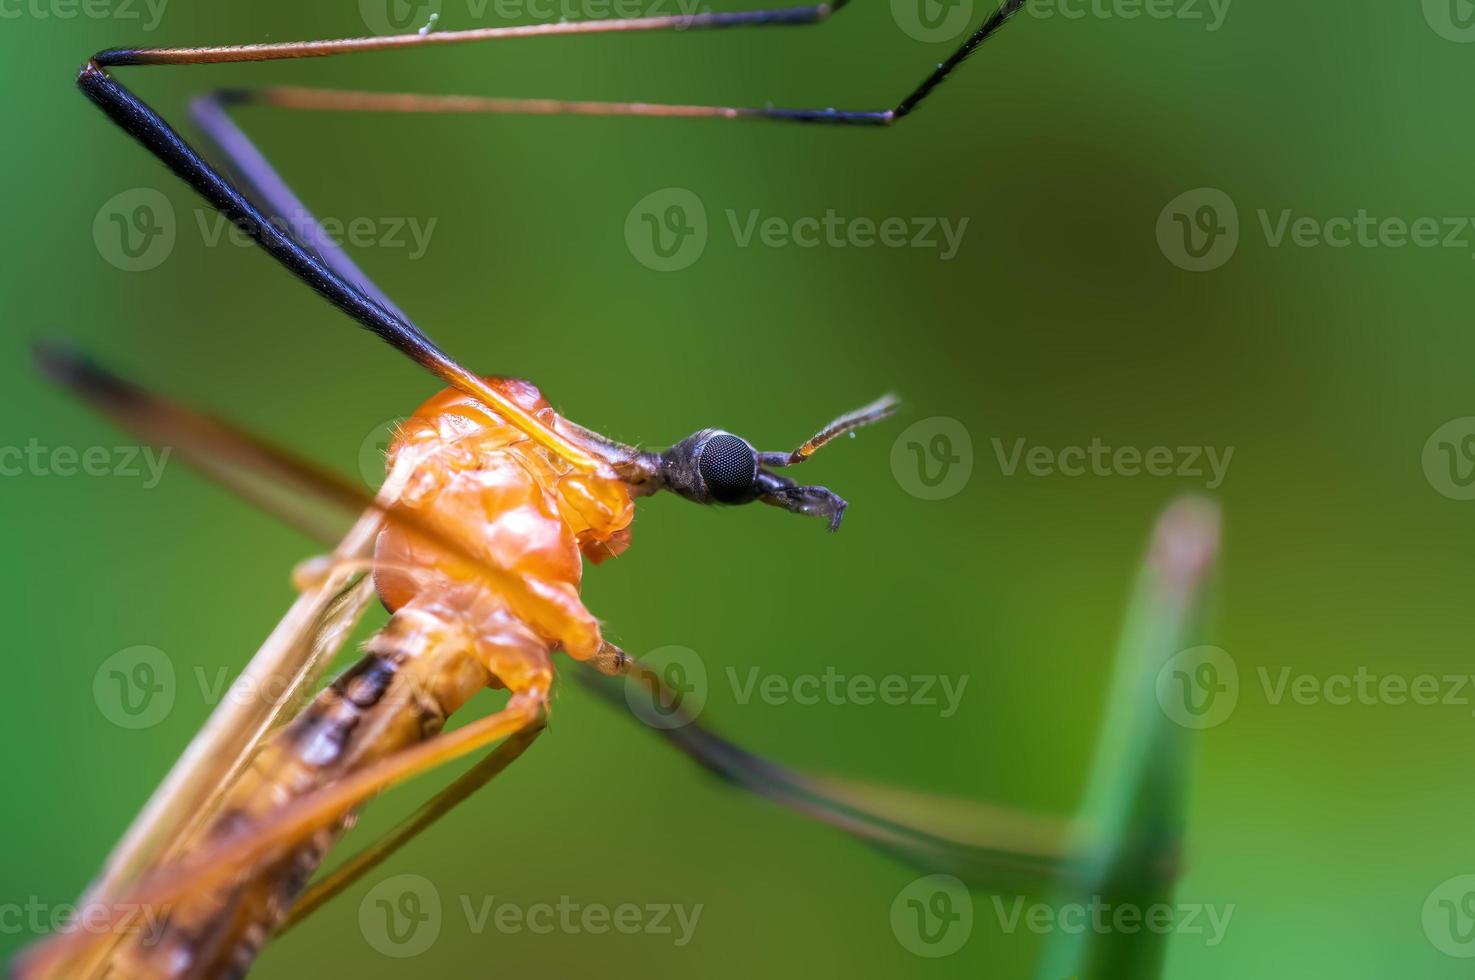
513 505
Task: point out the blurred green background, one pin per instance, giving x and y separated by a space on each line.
1059 320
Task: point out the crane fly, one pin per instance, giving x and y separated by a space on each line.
474 544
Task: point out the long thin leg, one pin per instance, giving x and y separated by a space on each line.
300 98
265 186
236 852
325 805
987 846
136 118
372 855
330 272
774 17
345 100
335 276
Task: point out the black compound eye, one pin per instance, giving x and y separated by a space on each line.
728 466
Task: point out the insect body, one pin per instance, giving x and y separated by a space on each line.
493 501
516 506
488 613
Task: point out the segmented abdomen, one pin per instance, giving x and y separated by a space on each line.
515 508
416 672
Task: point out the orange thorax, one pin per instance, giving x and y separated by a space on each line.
509 502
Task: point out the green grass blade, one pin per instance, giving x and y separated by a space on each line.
1132 826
